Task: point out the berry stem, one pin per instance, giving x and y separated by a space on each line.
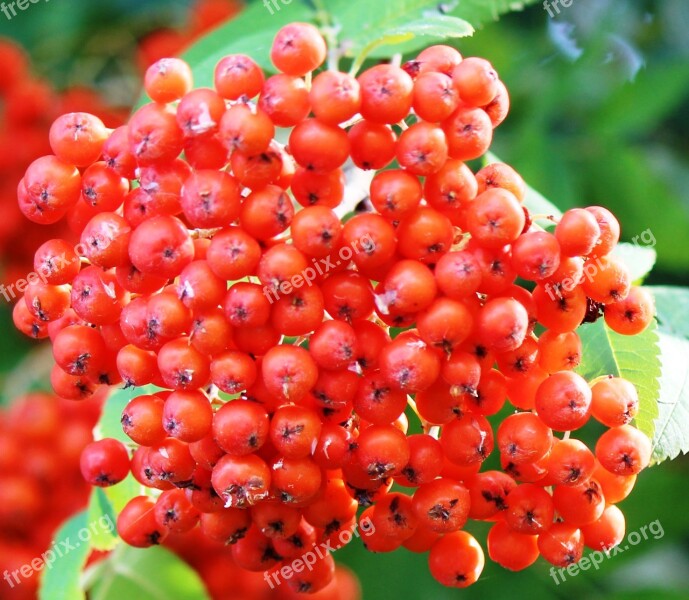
329 31
203 234
424 424
545 217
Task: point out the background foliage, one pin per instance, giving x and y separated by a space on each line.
600 96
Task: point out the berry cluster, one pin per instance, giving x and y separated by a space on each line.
41 440
225 580
28 105
283 406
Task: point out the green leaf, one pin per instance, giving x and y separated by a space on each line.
120 494
533 200
639 259
479 12
672 308
362 24
433 25
358 23
672 435
104 506
100 508
146 574
671 432
658 91
635 358
60 580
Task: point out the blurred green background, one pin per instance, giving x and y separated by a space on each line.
600 98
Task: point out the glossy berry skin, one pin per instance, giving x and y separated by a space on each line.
456 560
335 97
503 323
570 462
425 458
386 94
79 350
294 431
577 232
495 218
467 440
408 364
607 531
372 145
297 49
168 80
510 549
409 287
632 315
562 545
424 234
238 75
183 367
614 401
536 255
241 481
49 188
56 261
422 149
442 505
333 345
623 450
104 463
529 509
488 493
142 420
137 525
308 141
382 451
581 504
563 401
289 372
609 231
615 487
78 138
476 81
154 135
187 415
175 512
377 401
161 245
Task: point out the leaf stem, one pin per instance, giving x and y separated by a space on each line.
329 31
